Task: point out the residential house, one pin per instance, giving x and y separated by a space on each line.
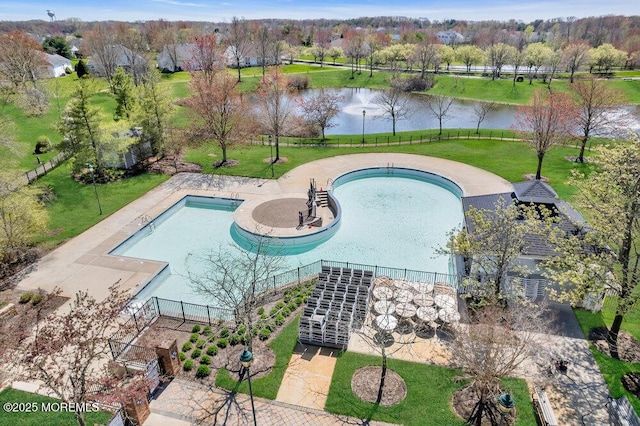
57 66
535 192
249 58
122 58
178 57
450 37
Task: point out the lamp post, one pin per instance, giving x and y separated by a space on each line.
271 155
95 188
506 405
364 114
246 358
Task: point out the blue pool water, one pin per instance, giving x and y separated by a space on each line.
397 221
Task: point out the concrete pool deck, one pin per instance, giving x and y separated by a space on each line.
84 262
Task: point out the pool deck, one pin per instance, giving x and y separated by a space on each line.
83 263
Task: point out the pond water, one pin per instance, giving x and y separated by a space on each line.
460 115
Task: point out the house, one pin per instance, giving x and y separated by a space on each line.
535 247
450 37
249 58
120 57
57 65
178 57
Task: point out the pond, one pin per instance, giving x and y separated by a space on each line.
461 115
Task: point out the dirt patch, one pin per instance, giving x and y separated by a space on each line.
365 384
631 382
170 166
532 176
281 160
628 346
465 400
224 164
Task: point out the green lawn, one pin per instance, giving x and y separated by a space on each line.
429 392
611 369
75 208
267 386
39 417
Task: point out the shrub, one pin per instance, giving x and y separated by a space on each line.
200 343
264 316
43 144
286 312
188 365
26 297
265 333
241 329
212 350
187 347
273 312
413 84
182 356
261 310
270 326
287 297
292 306
196 353
206 331
224 332
298 82
299 300
255 331
194 337
222 343
234 339
203 371
244 338
212 339
205 360
195 329
279 320
280 305
37 298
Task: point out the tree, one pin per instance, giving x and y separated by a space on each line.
374 42
236 278
206 56
22 59
22 216
154 112
354 49
425 54
134 49
276 107
574 55
518 58
606 57
447 54
70 346
439 107
394 104
469 55
492 346
537 54
481 109
57 45
219 111
322 42
239 42
497 55
595 103
546 122
491 243
321 109
335 53
123 90
264 43
605 255
81 68
100 43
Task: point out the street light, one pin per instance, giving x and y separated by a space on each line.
246 358
95 188
364 113
271 155
506 405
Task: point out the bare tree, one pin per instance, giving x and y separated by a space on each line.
101 43
498 55
322 42
574 55
206 55
22 59
71 346
276 107
596 102
493 345
439 106
134 50
321 109
546 122
264 46
481 110
394 104
239 42
235 278
425 54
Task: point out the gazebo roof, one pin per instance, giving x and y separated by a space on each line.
535 191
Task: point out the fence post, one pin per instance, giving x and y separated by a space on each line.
298 275
387 140
184 319
157 305
490 134
208 315
135 320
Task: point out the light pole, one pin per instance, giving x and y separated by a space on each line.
246 358
364 114
506 405
95 188
271 155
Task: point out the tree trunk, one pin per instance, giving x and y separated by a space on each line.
612 336
583 145
224 153
383 376
539 170
80 418
277 149
239 76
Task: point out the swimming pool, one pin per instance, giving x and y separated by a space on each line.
387 216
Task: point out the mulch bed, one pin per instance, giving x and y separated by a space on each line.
631 382
365 384
464 401
628 346
167 166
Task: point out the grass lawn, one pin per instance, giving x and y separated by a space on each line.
40 417
76 207
611 369
267 387
429 392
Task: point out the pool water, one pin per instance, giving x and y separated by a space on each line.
391 221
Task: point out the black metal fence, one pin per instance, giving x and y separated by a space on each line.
190 311
621 413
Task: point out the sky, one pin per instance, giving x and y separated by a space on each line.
224 10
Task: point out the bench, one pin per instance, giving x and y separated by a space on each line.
543 408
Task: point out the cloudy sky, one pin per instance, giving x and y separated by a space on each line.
224 10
